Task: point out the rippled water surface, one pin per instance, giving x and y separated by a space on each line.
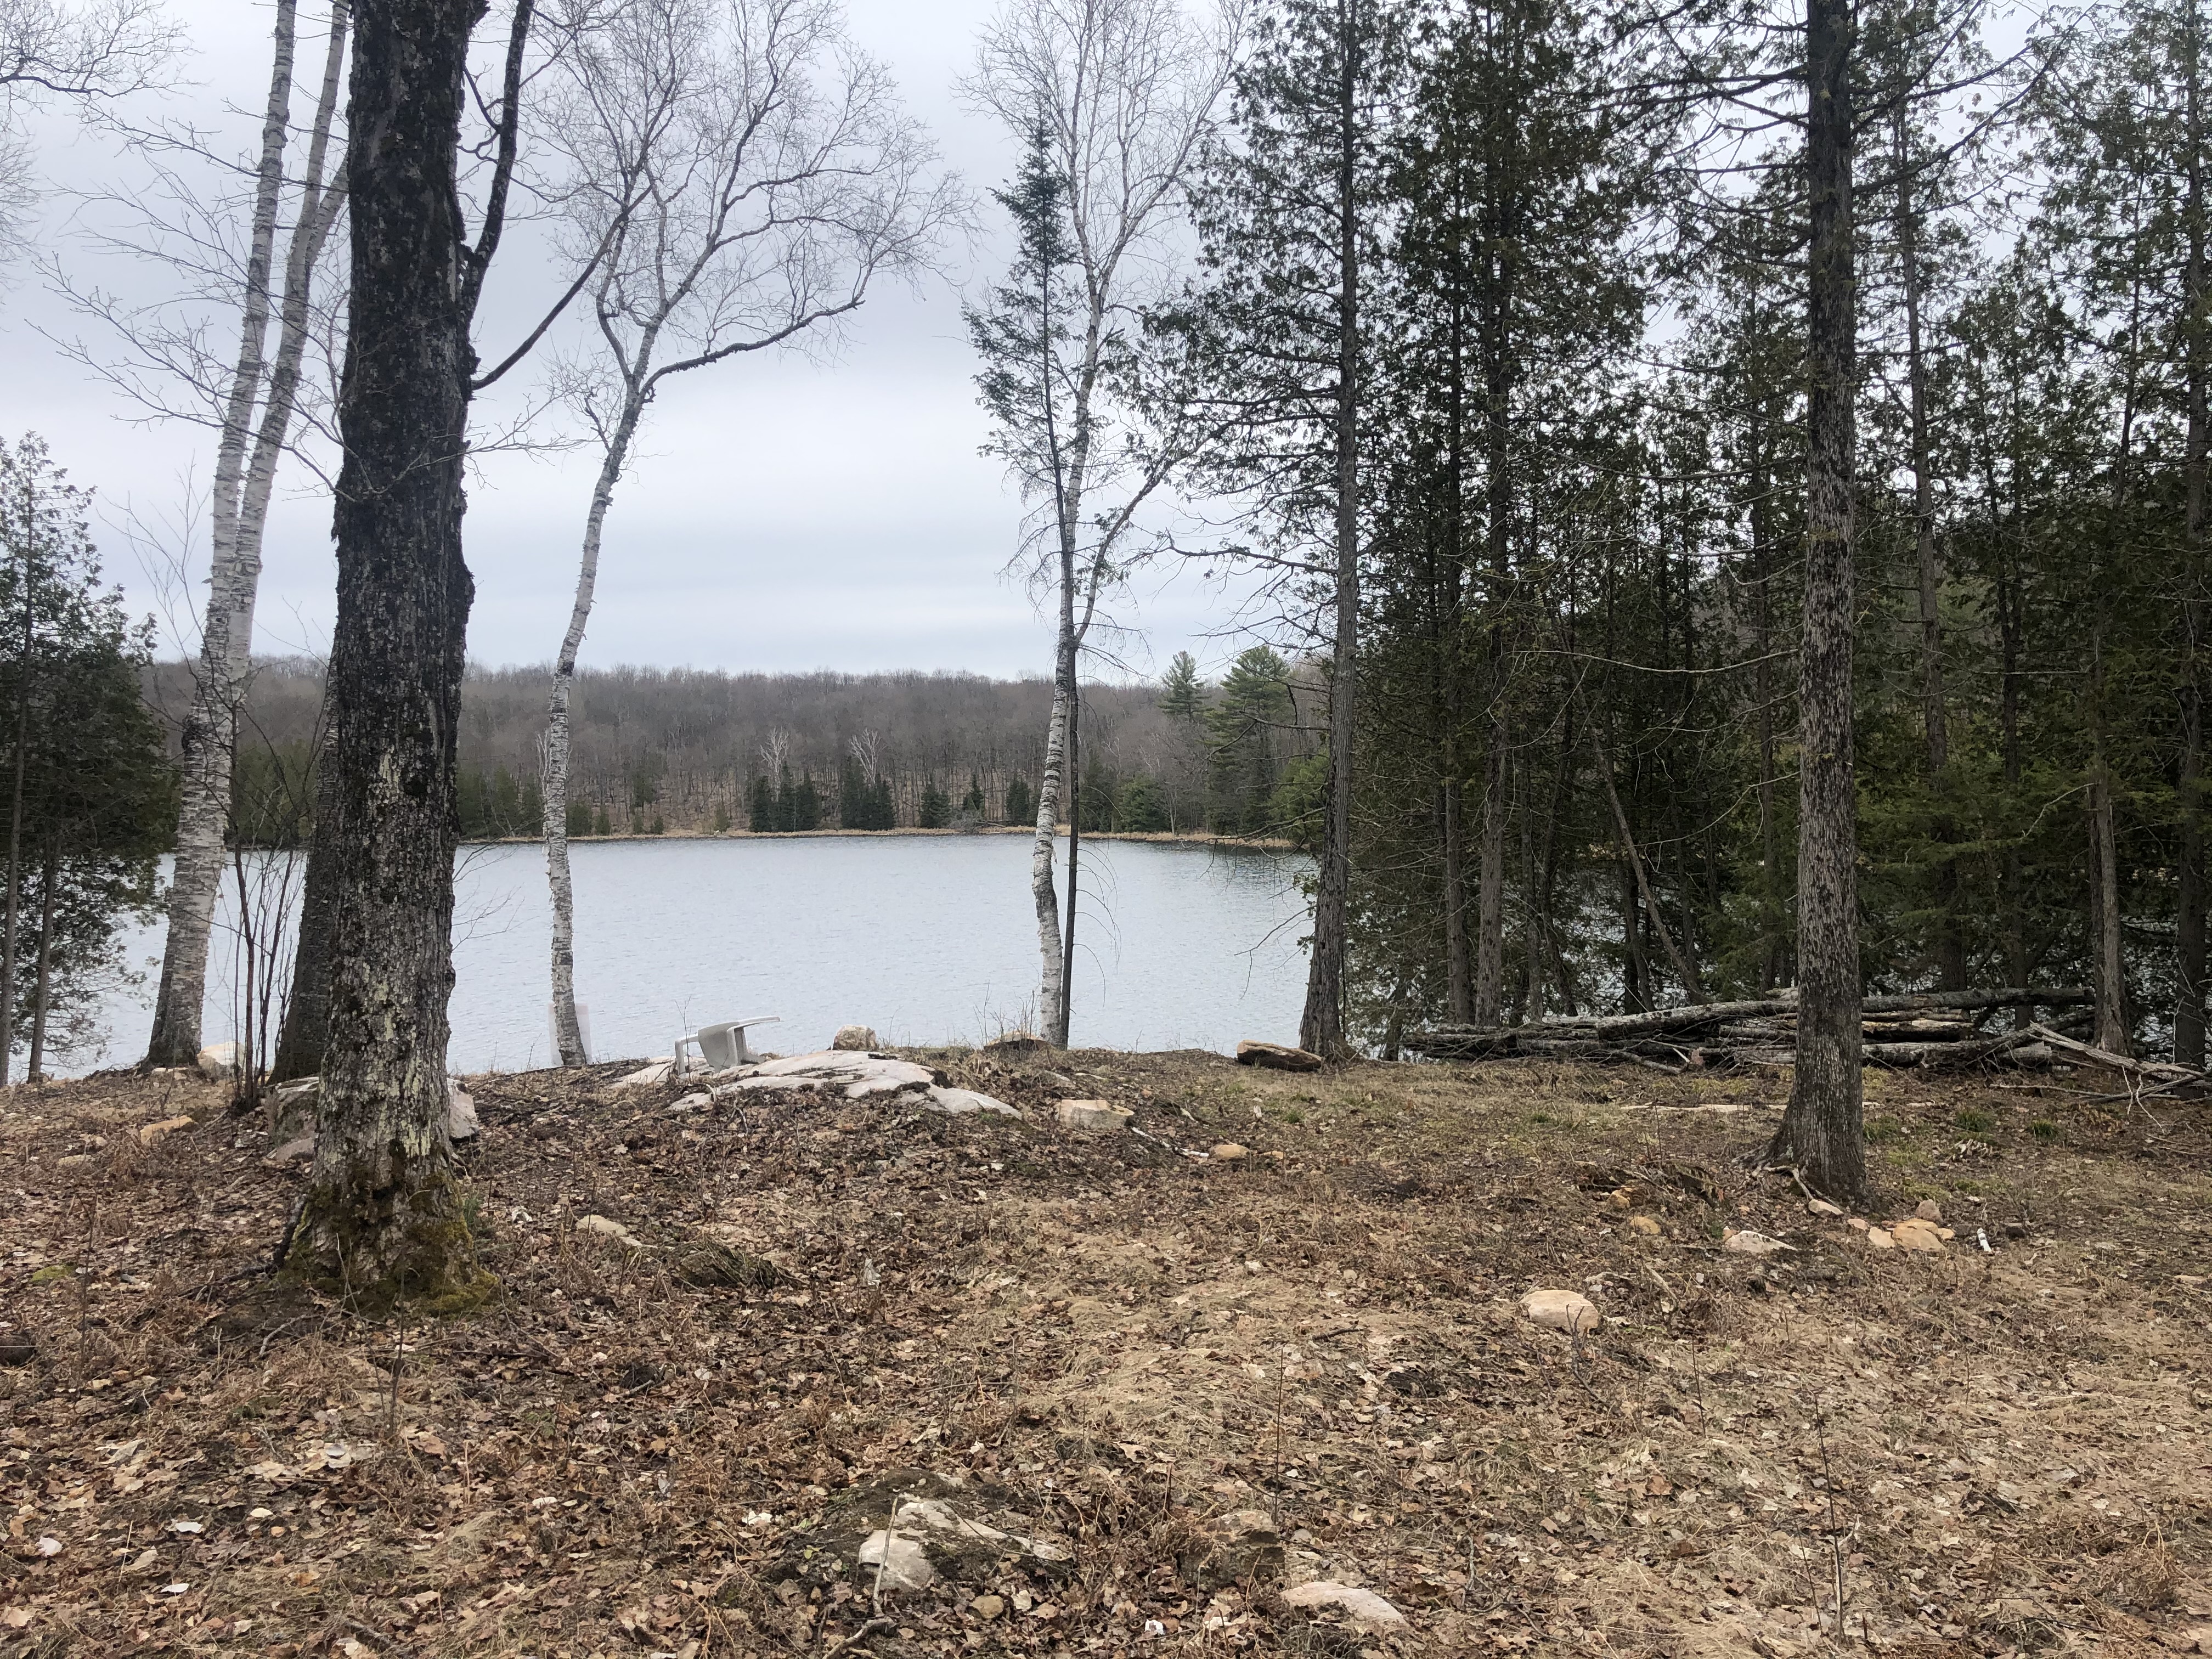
927 939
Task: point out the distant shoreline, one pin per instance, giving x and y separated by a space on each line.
1163 837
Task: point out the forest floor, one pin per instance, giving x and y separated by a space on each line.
1108 1342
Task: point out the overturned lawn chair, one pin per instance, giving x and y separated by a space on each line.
722 1045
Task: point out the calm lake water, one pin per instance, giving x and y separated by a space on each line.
927 939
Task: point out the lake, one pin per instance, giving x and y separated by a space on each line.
928 939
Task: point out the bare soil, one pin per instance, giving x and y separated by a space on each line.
1107 1341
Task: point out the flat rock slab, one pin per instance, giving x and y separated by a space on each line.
1098 1116
1276 1057
1364 1606
1562 1310
858 1077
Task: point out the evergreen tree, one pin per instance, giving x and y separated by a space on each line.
1021 801
936 810
1246 725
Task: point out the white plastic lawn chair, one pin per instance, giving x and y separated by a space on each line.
722 1045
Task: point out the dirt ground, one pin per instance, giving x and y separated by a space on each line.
1103 1343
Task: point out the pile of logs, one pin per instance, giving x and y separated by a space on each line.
1940 1029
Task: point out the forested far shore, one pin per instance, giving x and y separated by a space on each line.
675 751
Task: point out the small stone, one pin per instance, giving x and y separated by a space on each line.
1228 1152
290 1152
148 1133
1748 1243
1624 1199
1275 1057
1929 1209
1059 1080
74 1160
1561 1310
904 1563
609 1230
1857 1223
1879 1238
852 1038
218 1062
987 1607
1914 1233
1821 1206
460 1114
1644 1226
1093 1116
1364 1606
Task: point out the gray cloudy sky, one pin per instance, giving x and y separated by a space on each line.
785 515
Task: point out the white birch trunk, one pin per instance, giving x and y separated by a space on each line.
568 1031
1052 991
238 515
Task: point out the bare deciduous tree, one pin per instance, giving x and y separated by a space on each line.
1116 98
749 175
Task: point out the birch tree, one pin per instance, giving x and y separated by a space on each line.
750 176
257 406
1114 101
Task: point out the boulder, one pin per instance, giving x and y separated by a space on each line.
150 1133
920 1528
1744 1241
1930 1211
1228 1152
1644 1226
1275 1057
1561 1310
1093 1116
218 1062
1821 1206
292 1151
851 1038
1241 1547
902 1563
291 1111
1363 1606
1878 1238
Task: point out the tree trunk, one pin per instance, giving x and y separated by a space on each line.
306 1032
1773 957
2190 952
239 513
1459 982
381 1214
14 898
1044 890
1321 1030
1949 941
1074 847
1822 1133
2108 978
1685 968
35 1067
567 1030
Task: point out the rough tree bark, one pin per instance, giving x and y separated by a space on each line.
239 513
1321 1030
1822 1133
381 1215
2189 953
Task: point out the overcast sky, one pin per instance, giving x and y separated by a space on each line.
784 513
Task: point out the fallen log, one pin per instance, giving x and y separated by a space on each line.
1765 1020
2165 1074
2012 1049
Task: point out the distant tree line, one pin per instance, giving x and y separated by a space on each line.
708 753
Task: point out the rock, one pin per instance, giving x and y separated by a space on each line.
218 1062
290 1152
1561 1310
74 1160
460 1113
1929 1209
1622 1198
860 1077
1364 1606
1644 1226
852 1037
1276 1057
987 1607
1821 1206
2192 1639
1016 1043
1241 1547
1857 1223
1058 1080
291 1109
1090 1116
1914 1233
1744 1241
904 1563
1878 1238
150 1134
17 1348
609 1230
1228 1152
